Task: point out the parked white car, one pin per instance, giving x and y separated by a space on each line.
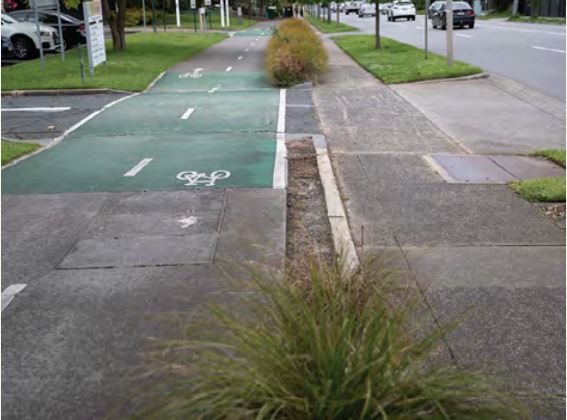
401 9
26 40
367 9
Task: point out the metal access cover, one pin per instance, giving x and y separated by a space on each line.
477 169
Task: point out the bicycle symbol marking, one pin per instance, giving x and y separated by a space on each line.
195 74
192 178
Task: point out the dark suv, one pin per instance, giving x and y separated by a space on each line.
463 15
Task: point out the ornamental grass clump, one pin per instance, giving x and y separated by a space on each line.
321 345
295 54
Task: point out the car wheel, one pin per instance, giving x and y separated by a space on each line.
471 25
24 49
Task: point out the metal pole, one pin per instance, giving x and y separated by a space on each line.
449 24
222 13
144 13
81 63
227 13
163 15
210 10
154 15
426 26
177 16
41 58
194 21
61 39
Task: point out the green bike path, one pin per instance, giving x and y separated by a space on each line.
175 136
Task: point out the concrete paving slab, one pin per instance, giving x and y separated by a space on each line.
510 267
484 118
471 169
48 125
516 333
397 169
127 250
439 214
524 167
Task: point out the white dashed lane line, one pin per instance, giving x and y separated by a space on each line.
240 57
464 36
138 167
10 293
229 68
548 49
187 113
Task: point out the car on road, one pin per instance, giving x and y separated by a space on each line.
25 39
367 9
433 8
401 9
73 28
463 15
352 6
384 8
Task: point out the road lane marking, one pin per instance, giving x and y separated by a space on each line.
464 36
38 109
10 293
279 178
134 171
229 68
247 49
187 113
213 90
520 30
187 221
548 49
240 57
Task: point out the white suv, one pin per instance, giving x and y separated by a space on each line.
401 9
25 38
352 6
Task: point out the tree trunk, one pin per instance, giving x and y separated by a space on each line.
534 6
115 21
378 44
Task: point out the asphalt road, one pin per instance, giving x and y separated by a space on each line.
528 53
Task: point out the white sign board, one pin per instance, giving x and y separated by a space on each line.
207 2
193 4
47 4
95 33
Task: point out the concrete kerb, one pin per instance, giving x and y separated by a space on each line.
340 230
483 75
62 92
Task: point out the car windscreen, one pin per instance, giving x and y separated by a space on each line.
8 19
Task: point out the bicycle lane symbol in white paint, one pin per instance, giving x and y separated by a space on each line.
195 74
193 178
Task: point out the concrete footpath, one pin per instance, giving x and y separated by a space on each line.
477 249
130 220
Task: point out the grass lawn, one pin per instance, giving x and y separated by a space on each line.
14 149
397 62
556 155
542 189
146 56
328 28
187 22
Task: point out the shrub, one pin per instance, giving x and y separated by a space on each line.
322 345
133 17
295 54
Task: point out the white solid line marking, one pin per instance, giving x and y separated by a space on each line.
548 49
138 167
240 57
464 36
39 109
229 68
247 49
10 292
280 165
187 113
213 90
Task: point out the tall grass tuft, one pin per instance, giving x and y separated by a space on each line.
295 54
325 345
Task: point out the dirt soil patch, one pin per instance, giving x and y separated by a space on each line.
308 229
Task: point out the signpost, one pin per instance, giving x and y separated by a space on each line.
194 6
47 4
449 24
208 9
222 13
426 26
95 33
177 17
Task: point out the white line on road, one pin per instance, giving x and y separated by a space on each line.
39 109
247 49
134 171
280 165
548 49
10 292
240 57
229 68
213 90
464 36
187 113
